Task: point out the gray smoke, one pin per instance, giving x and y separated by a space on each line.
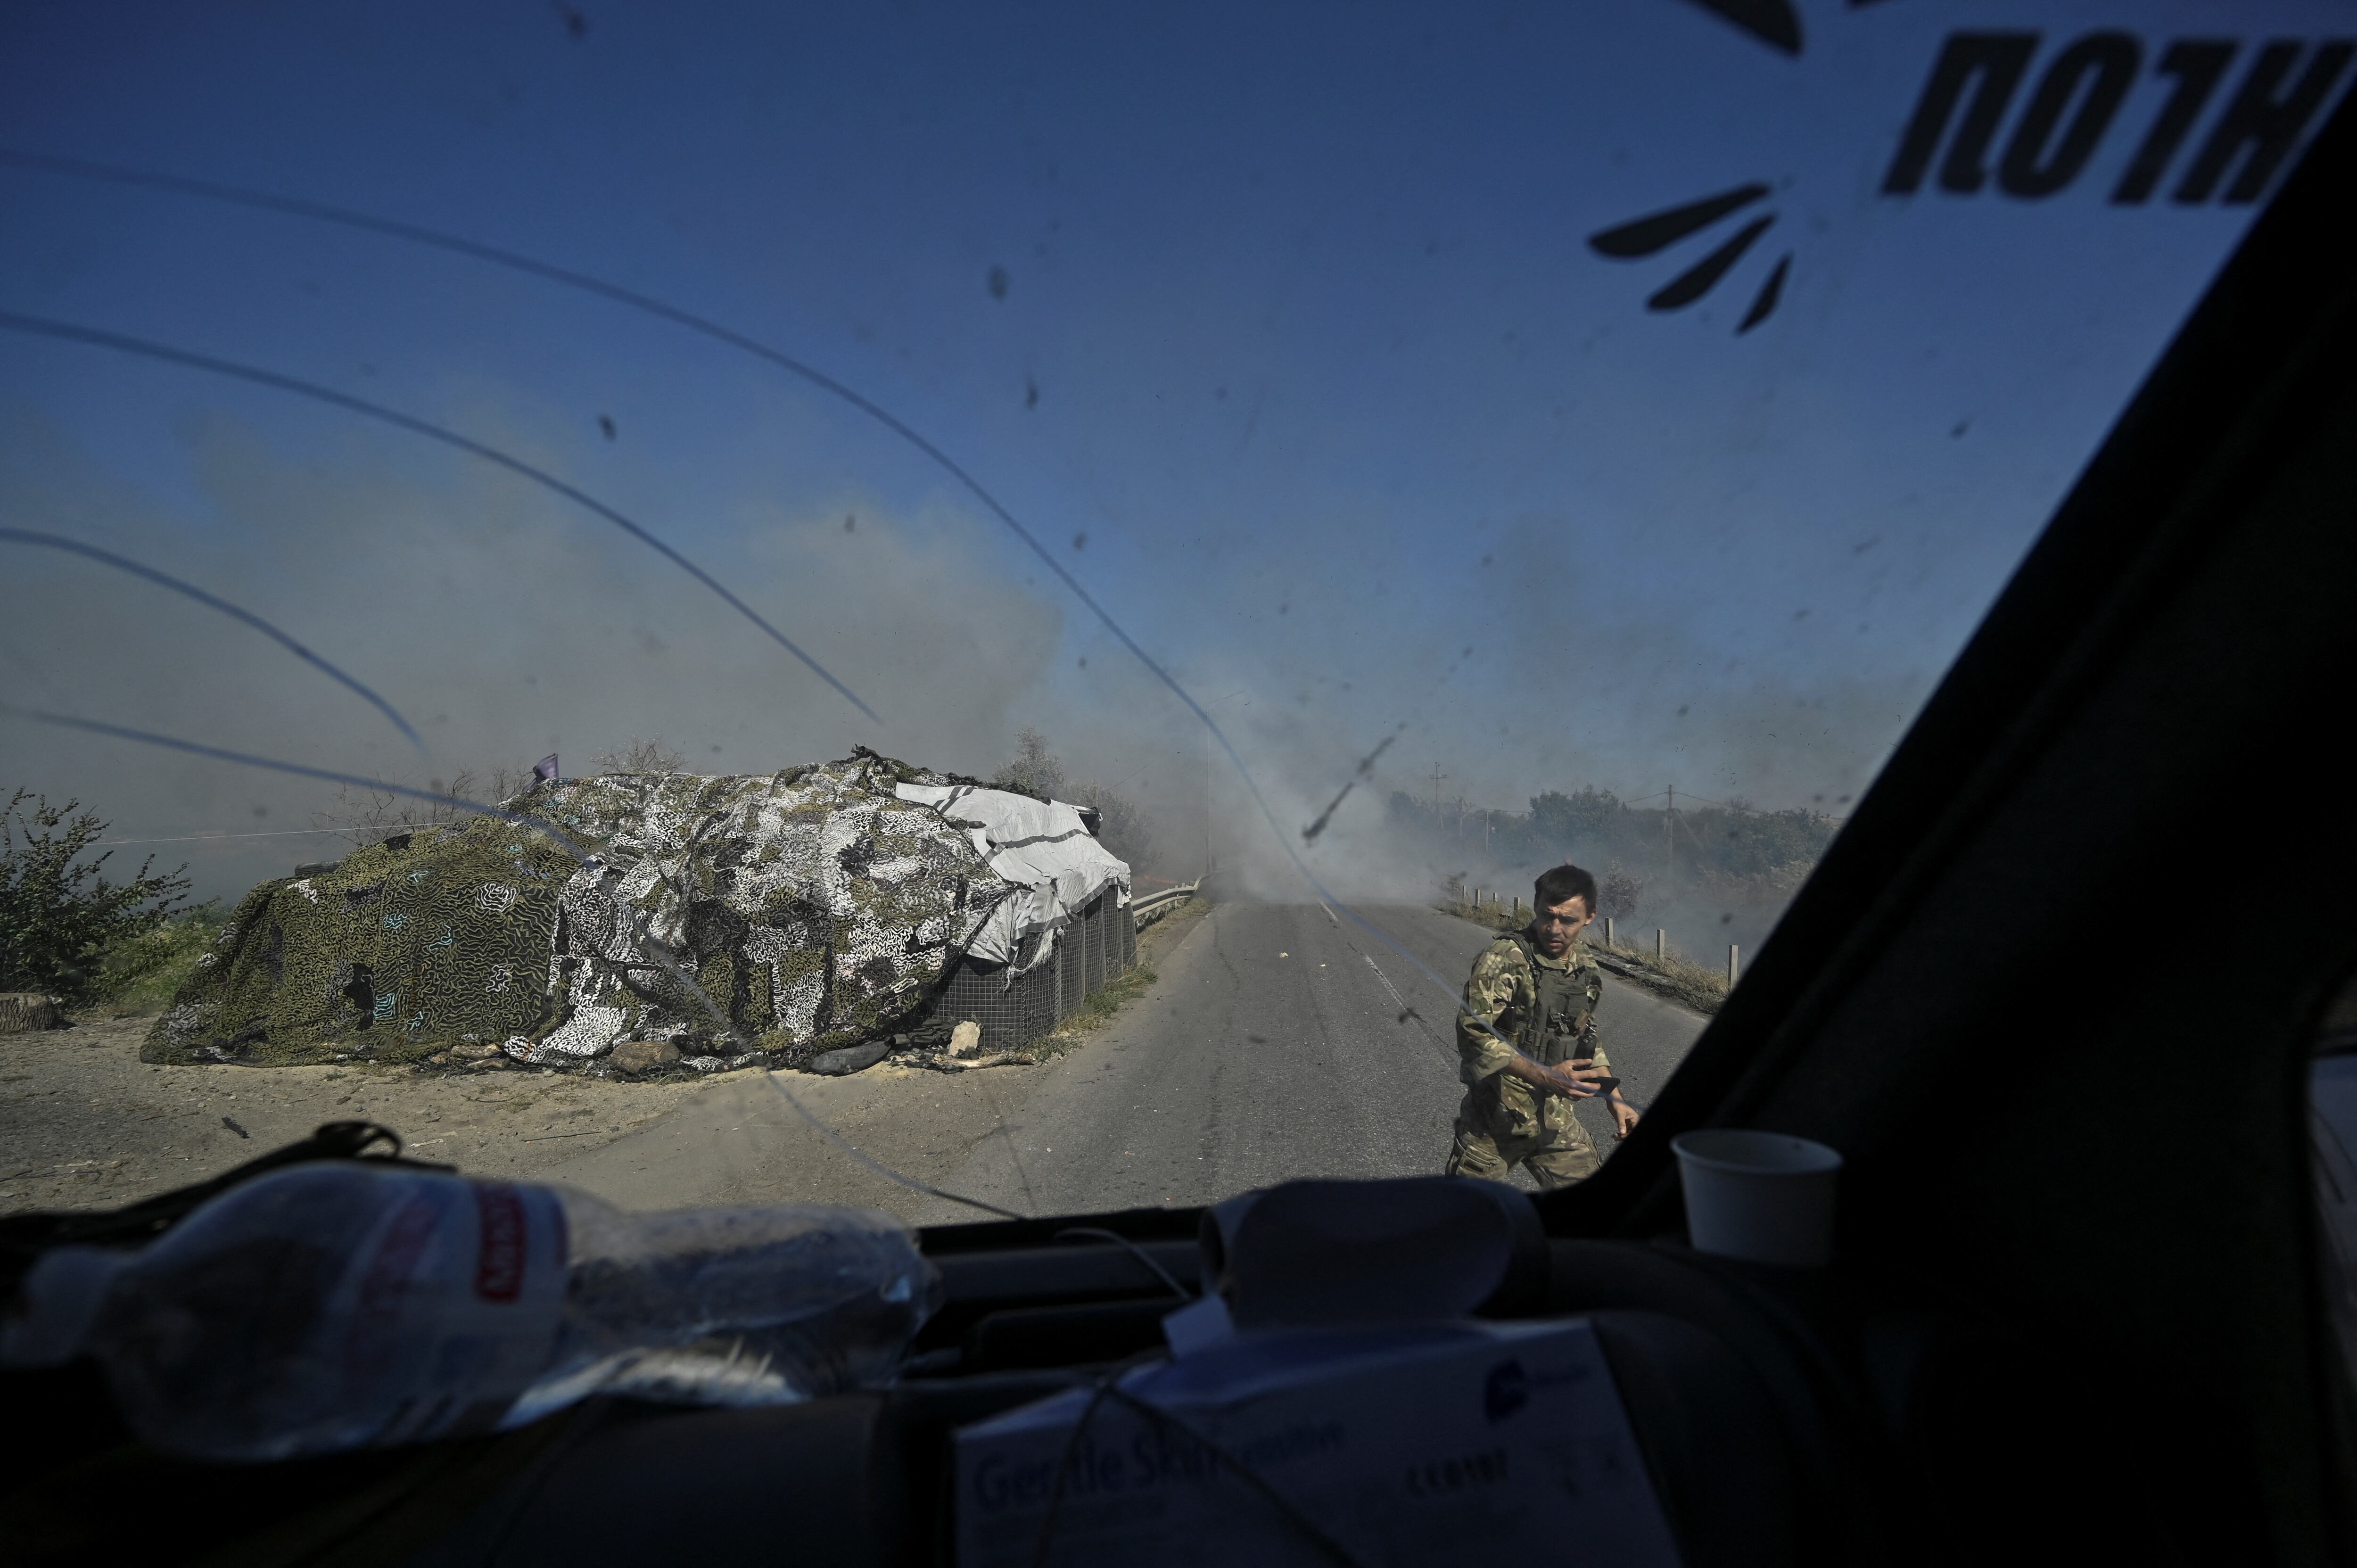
504 623
509 625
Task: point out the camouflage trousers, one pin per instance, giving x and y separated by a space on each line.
1558 1152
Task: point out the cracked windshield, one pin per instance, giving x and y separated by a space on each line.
1013 610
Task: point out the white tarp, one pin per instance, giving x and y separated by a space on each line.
1041 845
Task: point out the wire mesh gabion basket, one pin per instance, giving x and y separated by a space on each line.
1097 945
1092 926
1074 984
1013 1011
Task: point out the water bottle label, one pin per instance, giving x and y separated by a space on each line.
456 1302
503 1251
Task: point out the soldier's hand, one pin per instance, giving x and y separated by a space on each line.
1578 1081
1624 1118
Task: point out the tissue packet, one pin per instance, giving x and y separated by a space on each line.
1406 1446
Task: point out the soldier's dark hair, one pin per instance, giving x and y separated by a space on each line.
1557 883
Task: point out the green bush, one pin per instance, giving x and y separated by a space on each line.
1587 816
144 974
64 927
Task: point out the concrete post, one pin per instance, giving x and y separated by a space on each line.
1733 956
1661 945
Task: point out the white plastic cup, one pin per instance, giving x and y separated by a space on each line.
1763 1197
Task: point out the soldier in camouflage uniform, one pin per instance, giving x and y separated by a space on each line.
1526 1041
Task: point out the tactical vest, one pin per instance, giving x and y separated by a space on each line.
1557 1030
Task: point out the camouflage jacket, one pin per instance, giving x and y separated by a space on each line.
1504 991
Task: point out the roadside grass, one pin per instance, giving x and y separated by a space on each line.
1497 916
1673 975
1170 917
1093 1014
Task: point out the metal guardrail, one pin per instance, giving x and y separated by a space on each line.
1155 904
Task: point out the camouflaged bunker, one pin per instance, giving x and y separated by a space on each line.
815 909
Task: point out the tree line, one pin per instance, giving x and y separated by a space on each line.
1644 857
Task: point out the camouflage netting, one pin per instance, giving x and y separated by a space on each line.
816 907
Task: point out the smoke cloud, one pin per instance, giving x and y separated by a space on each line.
506 627
509 625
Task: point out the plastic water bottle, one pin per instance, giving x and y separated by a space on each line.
347 1304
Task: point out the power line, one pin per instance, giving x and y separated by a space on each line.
272 834
1658 794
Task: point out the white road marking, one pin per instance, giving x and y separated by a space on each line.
1405 1010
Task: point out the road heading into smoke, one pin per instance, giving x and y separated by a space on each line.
1273 1048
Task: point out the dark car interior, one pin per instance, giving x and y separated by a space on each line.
2079 1308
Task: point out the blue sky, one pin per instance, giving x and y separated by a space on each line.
1300 326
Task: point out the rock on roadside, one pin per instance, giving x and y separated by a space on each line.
848 1059
632 1057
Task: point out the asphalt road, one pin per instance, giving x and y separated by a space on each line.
1275 1048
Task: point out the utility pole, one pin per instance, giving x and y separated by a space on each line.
1203 752
1669 844
1437 777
